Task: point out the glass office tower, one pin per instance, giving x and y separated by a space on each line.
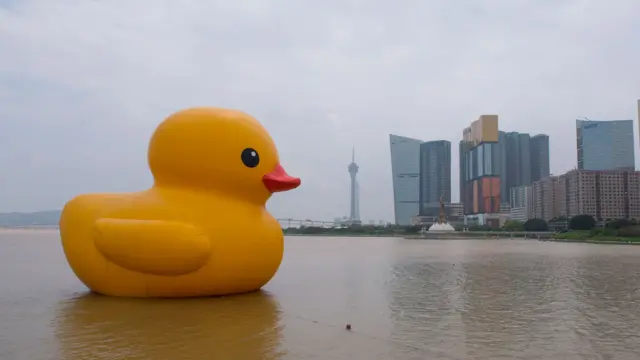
605 145
405 169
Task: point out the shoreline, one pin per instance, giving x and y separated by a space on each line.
439 235
467 236
346 235
478 237
593 241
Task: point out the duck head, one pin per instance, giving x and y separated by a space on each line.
220 150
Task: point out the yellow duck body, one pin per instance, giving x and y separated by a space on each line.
202 229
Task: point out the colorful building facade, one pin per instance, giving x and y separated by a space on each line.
480 164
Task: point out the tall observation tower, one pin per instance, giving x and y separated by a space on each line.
354 214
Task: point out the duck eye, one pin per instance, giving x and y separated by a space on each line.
250 157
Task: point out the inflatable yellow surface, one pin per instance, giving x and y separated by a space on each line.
201 230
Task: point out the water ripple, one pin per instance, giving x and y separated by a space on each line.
492 299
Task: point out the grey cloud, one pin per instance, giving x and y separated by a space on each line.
86 82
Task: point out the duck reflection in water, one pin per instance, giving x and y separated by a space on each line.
98 327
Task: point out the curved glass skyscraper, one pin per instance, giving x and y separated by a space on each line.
405 168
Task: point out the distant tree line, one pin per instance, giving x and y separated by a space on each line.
614 227
40 218
618 227
367 230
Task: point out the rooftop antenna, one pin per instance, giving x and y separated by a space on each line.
353 154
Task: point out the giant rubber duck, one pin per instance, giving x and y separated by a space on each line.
202 228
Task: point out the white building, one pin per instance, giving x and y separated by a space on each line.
522 204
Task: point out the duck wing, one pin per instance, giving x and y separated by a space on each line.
155 247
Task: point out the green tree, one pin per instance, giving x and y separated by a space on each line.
513 225
630 231
620 223
582 222
558 224
479 228
412 229
535 225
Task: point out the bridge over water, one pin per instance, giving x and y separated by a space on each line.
287 223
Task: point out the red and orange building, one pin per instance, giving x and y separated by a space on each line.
480 162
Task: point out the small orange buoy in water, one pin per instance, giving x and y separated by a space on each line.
348 327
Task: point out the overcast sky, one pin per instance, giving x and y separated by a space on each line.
84 83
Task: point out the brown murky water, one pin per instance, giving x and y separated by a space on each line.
406 299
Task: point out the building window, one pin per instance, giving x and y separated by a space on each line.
480 157
488 166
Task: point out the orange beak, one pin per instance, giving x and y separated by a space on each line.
278 180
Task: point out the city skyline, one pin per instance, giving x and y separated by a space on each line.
514 144
492 163
506 175
517 159
516 150
497 171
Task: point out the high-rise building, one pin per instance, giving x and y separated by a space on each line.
540 162
521 204
605 145
435 173
518 159
502 168
405 169
480 166
547 198
354 209
520 196
464 148
525 159
605 195
639 121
